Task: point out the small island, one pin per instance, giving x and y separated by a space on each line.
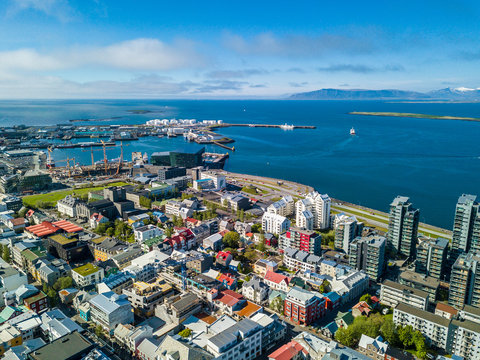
411 115
139 112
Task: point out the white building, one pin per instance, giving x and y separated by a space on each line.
219 181
285 206
10 279
67 206
392 293
87 274
274 224
319 206
466 339
305 220
435 328
351 285
110 309
146 232
346 229
173 207
301 260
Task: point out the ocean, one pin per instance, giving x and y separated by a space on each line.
431 161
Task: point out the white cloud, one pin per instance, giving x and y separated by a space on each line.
138 54
59 9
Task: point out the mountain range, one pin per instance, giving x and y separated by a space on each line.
447 94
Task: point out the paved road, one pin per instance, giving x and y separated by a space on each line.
383 220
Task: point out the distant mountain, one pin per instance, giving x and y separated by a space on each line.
456 94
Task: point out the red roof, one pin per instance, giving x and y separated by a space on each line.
18 221
363 307
30 213
43 229
223 232
97 217
229 298
47 228
191 220
288 351
67 226
226 278
374 299
224 255
275 277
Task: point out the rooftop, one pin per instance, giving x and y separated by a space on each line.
86 269
63 348
406 288
437 319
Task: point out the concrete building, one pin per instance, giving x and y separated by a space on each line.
274 224
68 206
300 239
146 232
403 227
261 266
255 290
392 293
235 202
10 279
300 260
420 282
219 181
145 296
87 274
241 341
347 228
467 218
368 254
318 205
465 281
110 309
284 207
432 257
303 307
435 328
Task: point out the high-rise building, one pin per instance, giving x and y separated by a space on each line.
368 254
466 220
465 281
432 257
403 227
274 224
300 239
346 228
319 205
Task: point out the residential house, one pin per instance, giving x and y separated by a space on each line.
110 309
276 281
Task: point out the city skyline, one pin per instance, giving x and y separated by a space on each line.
105 49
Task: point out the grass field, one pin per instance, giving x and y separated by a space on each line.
50 199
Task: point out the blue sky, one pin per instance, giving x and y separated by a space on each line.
229 49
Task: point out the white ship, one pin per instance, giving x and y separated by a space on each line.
352 131
286 127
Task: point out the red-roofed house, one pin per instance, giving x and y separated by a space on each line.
191 222
276 281
291 351
17 225
97 219
184 239
227 280
224 258
361 309
229 301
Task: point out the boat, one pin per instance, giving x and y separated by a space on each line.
286 127
352 131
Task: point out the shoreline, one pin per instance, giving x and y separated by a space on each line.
361 212
414 116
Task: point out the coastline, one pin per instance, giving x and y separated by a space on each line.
371 216
413 115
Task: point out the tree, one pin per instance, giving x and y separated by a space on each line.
389 331
232 239
261 244
367 298
145 202
405 335
52 297
185 333
256 228
110 231
6 254
420 345
99 331
63 283
345 337
168 232
102 228
277 305
324 287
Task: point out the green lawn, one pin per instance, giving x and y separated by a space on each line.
50 199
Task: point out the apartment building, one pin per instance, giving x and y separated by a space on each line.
368 254
432 257
465 281
392 293
274 223
300 260
303 307
300 239
403 227
347 228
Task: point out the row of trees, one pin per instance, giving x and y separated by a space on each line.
119 229
52 291
377 324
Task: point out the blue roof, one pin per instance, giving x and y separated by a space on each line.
332 327
333 296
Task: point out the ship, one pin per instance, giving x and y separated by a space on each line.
286 127
352 131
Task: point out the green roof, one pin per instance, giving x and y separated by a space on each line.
61 239
35 298
86 269
155 240
31 255
346 316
